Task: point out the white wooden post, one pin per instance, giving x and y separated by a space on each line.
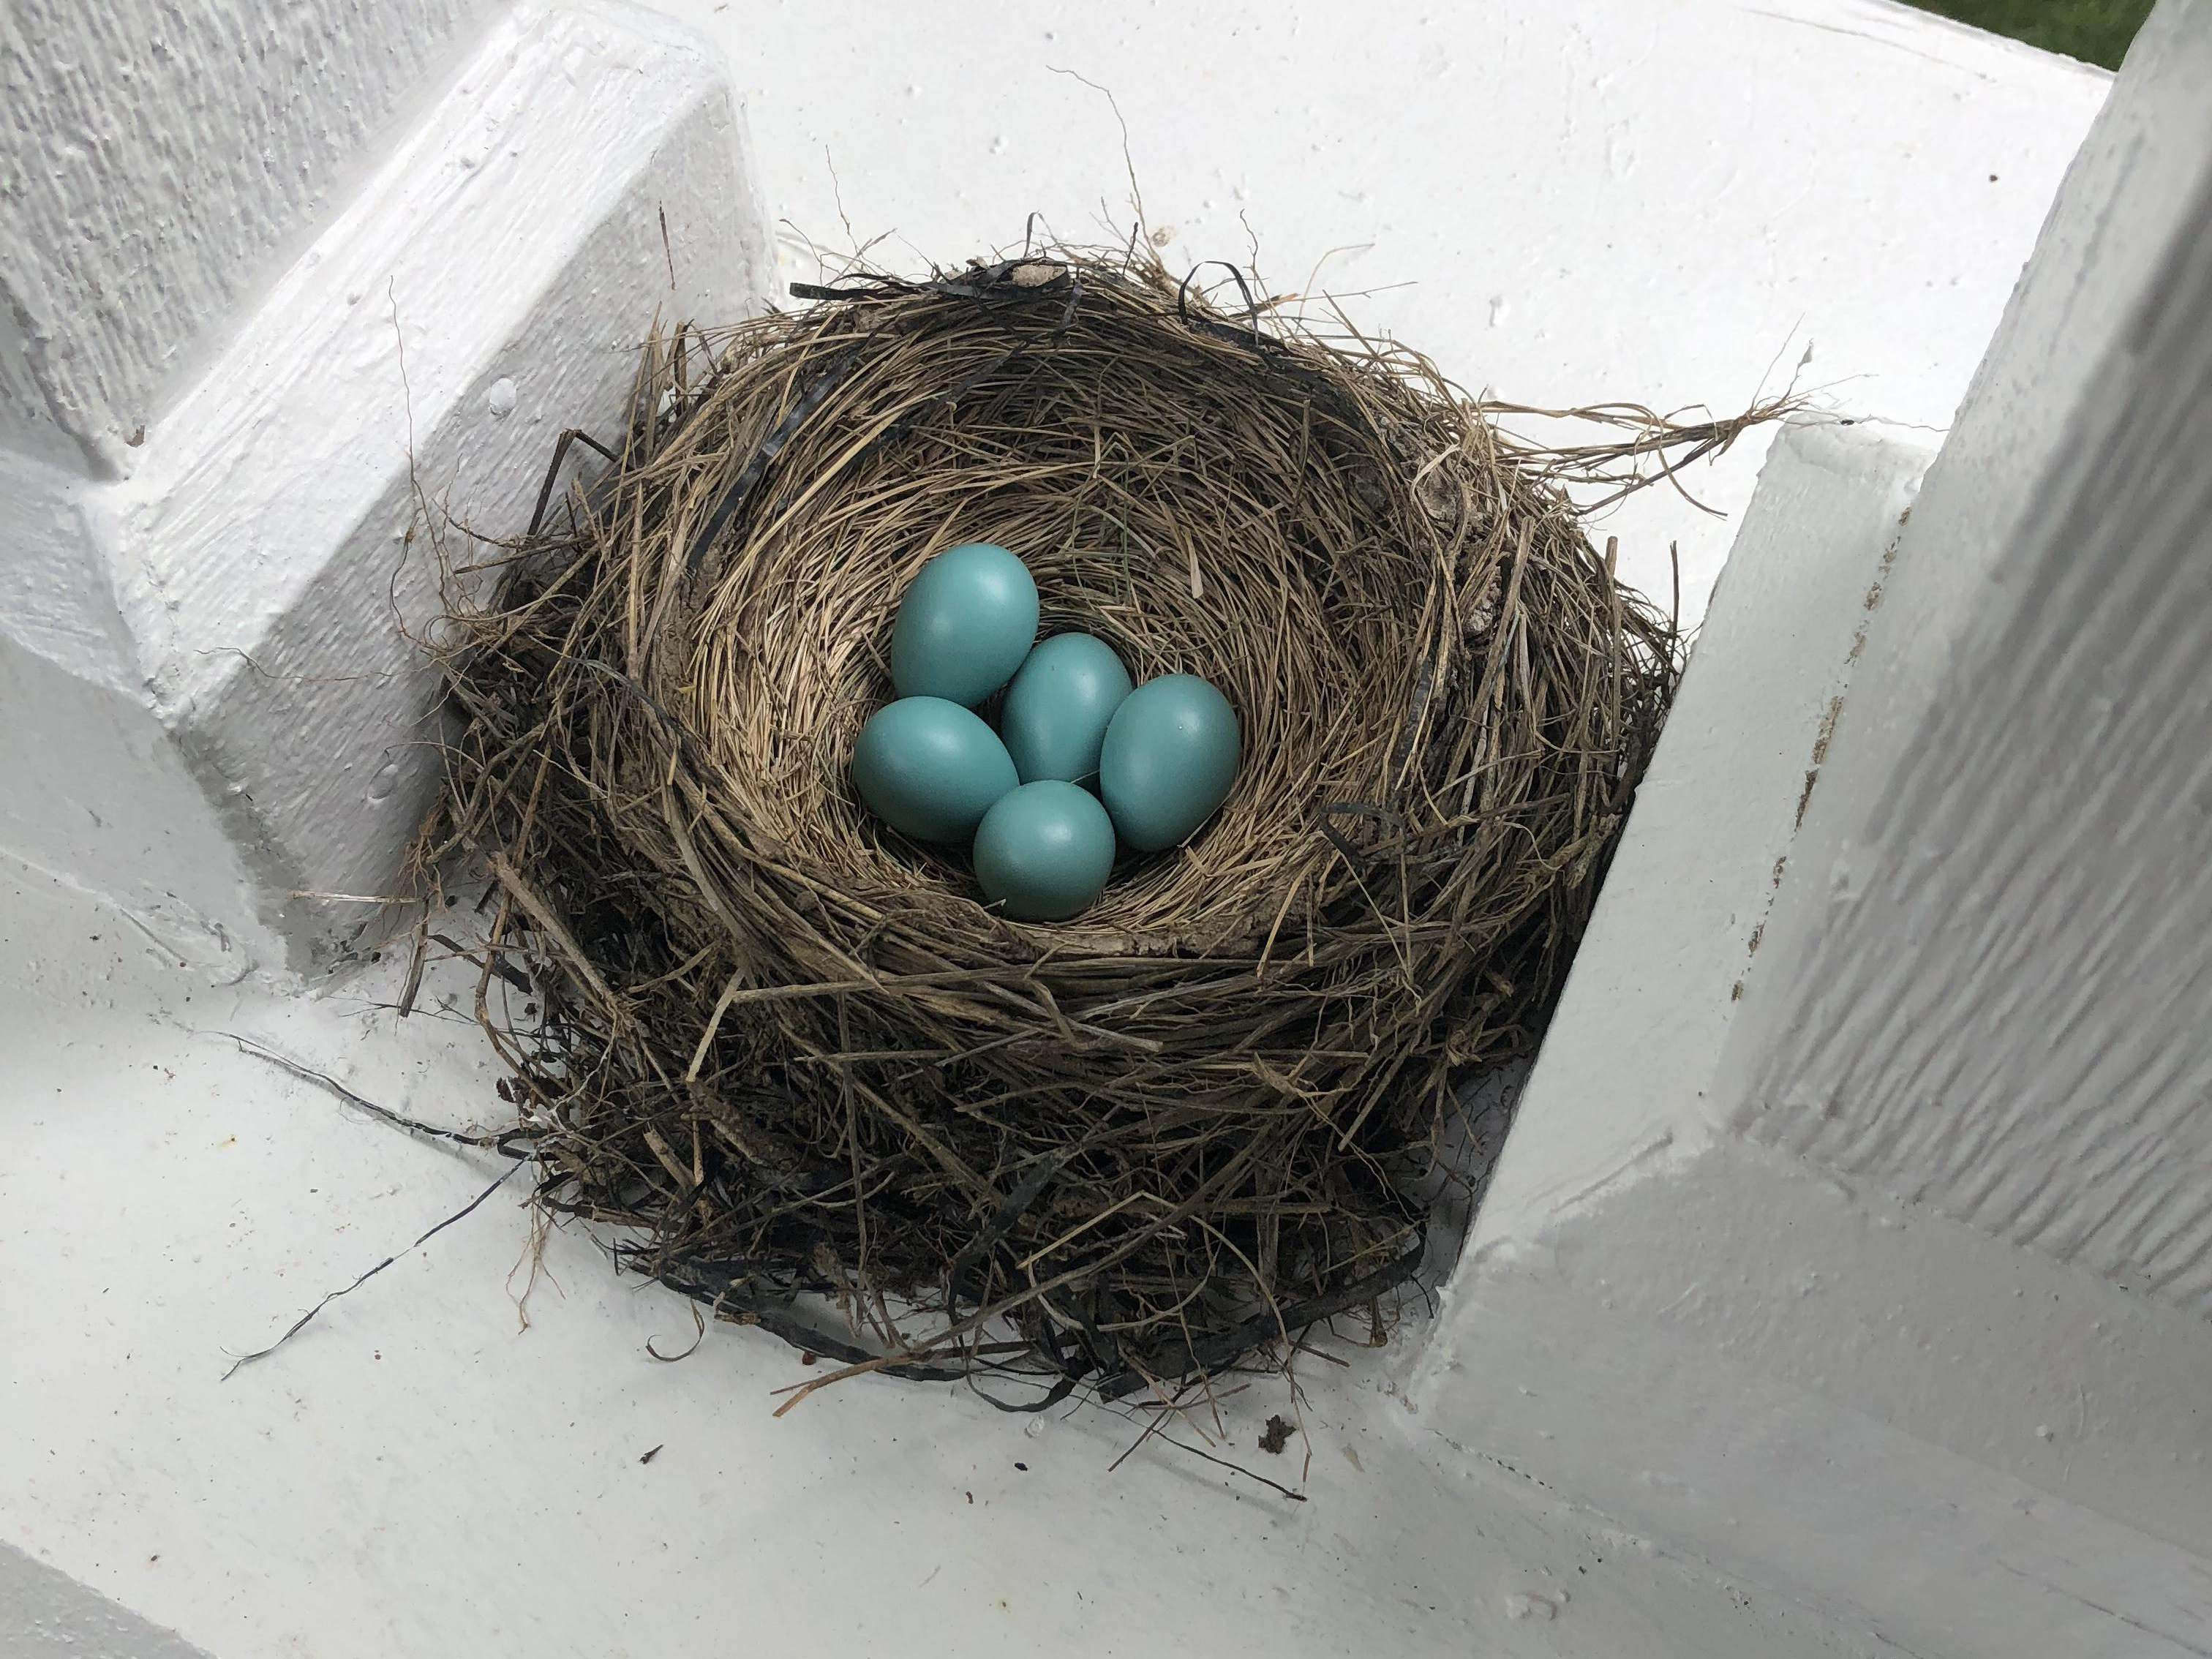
1857 1229
275 275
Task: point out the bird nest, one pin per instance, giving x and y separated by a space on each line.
794 1063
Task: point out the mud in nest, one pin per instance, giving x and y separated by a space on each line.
793 1062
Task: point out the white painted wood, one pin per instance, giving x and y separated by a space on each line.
1639 1028
418 1474
94 792
165 161
1891 1416
1892 1292
1660 195
1567 201
45 1614
1990 988
1886 1415
232 709
55 598
1668 200
516 247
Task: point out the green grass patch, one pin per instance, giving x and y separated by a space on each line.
2095 31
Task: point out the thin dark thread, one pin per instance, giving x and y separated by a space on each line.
305 1319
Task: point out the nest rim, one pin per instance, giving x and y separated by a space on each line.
798 952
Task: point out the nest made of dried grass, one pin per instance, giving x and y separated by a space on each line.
795 1062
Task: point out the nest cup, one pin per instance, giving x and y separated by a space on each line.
807 1075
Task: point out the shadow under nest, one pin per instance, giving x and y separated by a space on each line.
794 1063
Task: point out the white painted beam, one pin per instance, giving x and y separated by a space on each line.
491 286
165 161
253 585
1861 1239
1989 989
1661 973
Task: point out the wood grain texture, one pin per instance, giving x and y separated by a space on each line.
159 157
2004 1011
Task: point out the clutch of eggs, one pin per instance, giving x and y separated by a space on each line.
1079 758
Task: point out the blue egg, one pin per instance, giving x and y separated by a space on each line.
964 625
1056 710
1169 755
1044 851
931 768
